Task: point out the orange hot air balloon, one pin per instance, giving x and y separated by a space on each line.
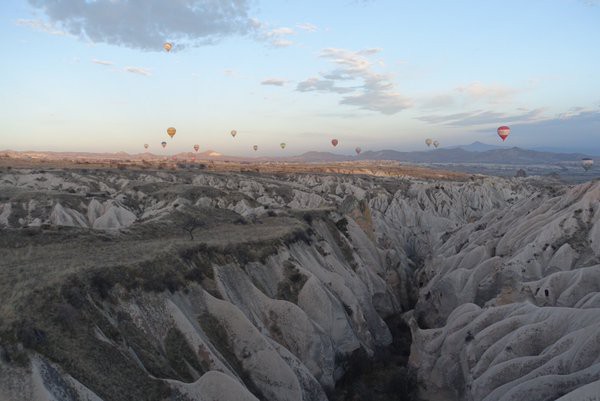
196 148
168 46
503 132
358 150
163 144
334 142
255 147
171 131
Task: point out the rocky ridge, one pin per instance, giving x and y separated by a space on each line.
288 278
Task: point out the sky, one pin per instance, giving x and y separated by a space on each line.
92 75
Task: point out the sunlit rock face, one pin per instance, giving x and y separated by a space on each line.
209 286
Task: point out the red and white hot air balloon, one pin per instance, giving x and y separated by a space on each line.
196 148
334 142
503 132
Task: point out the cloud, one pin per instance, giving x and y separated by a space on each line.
490 93
321 85
41 26
102 62
139 71
146 24
282 43
370 90
483 117
278 37
369 52
274 82
439 101
280 32
308 27
229 72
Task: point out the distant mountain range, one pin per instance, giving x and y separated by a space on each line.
475 153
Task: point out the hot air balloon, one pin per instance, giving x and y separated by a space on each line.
146 146
233 133
436 144
168 46
503 132
334 142
171 131
428 141
282 144
587 163
255 147
164 144
196 148
358 150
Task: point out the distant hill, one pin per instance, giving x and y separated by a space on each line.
477 147
475 153
496 156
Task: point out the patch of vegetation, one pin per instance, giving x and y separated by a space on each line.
289 288
180 355
334 229
342 225
219 337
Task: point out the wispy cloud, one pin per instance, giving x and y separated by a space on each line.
278 37
321 85
282 43
229 72
368 89
280 32
274 82
308 27
491 93
117 22
483 117
41 26
139 71
102 62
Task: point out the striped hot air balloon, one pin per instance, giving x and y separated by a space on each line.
503 132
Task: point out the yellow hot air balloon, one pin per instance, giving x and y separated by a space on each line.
428 142
282 144
171 131
168 46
